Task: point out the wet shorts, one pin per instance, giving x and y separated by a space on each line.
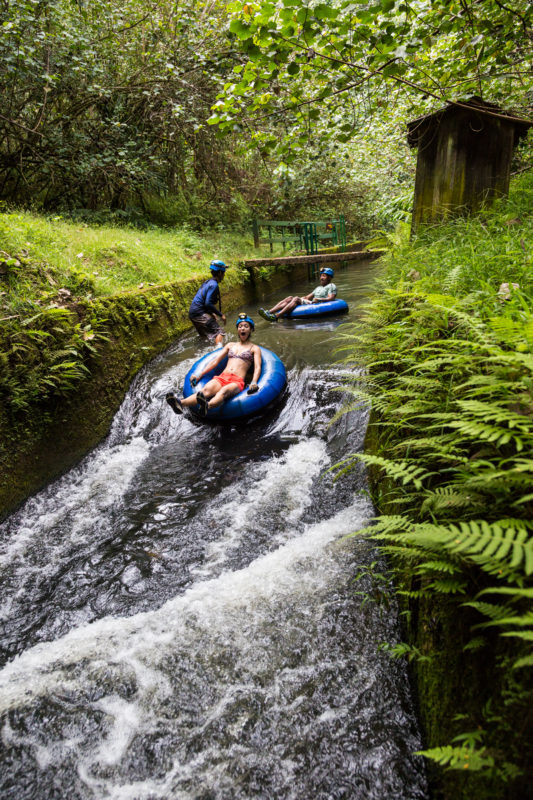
228 377
207 325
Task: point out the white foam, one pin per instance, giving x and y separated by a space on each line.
101 483
283 488
144 411
141 641
126 718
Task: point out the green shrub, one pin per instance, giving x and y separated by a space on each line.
449 377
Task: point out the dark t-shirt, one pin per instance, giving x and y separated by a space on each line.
206 299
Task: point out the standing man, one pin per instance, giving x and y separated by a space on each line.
206 306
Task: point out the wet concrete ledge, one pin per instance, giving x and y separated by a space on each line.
331 256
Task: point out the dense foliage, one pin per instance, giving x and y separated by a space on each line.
308 61
104 114
450 381
105 110
104 105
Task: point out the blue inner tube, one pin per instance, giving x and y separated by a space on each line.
319 309
243 405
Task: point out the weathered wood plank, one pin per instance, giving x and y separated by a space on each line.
464 158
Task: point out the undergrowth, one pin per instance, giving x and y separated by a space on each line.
449 376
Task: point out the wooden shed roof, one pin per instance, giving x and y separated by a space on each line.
429 121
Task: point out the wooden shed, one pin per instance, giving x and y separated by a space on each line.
464 157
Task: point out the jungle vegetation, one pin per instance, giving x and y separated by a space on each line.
105 116
448 352
204 114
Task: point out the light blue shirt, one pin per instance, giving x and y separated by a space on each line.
322 292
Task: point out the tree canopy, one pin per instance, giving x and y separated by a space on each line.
203 111
107 99
305 60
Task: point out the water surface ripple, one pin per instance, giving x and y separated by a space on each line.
179 617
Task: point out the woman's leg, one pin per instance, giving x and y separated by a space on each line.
210 389
224 393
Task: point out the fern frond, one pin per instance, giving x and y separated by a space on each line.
449 586
475 644
497 414
526 636
459 757
404 553
440 444
491 386
525 661
420 382
388 523
512 332
517 620
399 471
526 499
487 433
414 594
413 407
492 545
512 592
448 498
489 610
489 480
437 566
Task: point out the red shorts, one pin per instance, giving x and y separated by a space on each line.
228 377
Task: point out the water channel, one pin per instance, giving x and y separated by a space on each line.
179 613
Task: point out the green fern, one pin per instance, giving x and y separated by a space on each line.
463 758
450 384
399 471
427 567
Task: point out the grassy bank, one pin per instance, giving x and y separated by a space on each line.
103 260
450 451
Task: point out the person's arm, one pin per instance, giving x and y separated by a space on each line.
257 370
308 296
212 364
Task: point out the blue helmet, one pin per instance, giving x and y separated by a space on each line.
217 266
245 318
327 271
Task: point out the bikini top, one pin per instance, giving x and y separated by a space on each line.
247 355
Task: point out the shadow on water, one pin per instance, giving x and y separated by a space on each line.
179 614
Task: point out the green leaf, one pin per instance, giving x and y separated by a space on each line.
241 29
324 11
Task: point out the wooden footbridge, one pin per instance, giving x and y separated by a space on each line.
308 236
315 258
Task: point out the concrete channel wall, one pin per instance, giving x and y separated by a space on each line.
139 325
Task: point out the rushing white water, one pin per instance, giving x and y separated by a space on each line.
180 617
287 485
290 571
